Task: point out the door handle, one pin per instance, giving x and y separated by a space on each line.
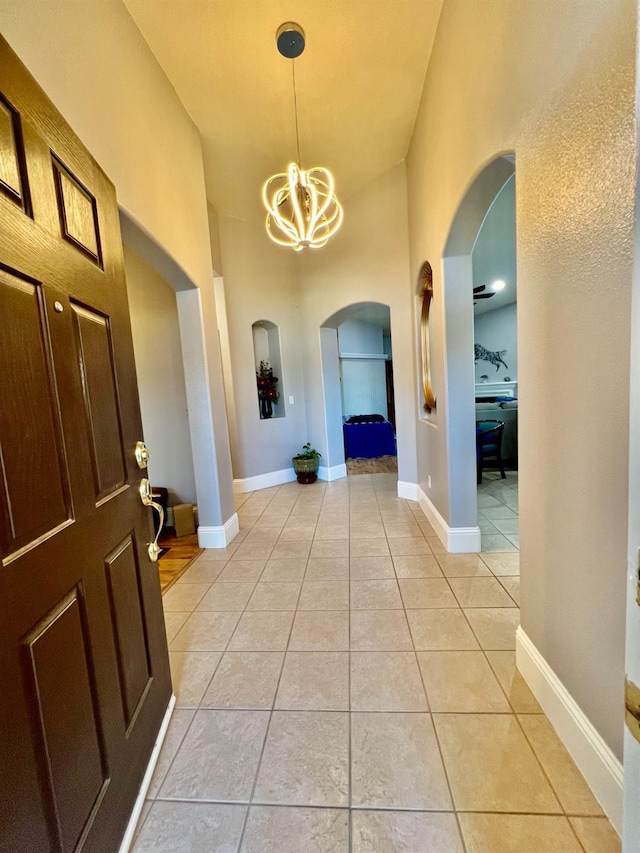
147 498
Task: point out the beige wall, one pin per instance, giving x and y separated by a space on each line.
553 82
260 283
365 262
94 64
214 234
163 396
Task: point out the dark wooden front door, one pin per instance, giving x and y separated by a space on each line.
84 677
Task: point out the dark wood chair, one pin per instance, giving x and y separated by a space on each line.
489 445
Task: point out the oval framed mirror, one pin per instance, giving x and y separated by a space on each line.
426 296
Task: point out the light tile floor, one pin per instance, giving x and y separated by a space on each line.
343 685
498 511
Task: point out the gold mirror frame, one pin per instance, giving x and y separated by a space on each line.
426 294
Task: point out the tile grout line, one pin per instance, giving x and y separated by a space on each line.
546 775
379 497
435 734
246 815
350 730
268 727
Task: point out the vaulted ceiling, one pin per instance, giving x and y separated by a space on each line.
358 84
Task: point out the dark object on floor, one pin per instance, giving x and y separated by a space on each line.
161 496
163 551
489 445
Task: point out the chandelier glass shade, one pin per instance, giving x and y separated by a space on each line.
303 211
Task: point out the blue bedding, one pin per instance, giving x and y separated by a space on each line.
369 440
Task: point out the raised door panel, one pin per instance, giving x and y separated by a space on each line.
78 212
93 341
83 657
66 722
124 584
35 492
13 177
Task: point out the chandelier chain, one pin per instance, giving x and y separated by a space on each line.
295 108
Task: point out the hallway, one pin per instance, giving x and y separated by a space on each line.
344 685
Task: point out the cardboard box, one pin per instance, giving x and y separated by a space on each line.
183 519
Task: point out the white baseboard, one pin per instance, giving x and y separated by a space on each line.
595 760
336 472
457 540
220 536
408 491
151 766
265 481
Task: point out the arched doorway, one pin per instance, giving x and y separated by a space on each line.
496 373
357 372
459 337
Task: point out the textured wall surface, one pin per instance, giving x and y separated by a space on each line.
163 396
260 283
553 83
367 261
94 64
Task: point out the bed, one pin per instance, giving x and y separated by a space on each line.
368 438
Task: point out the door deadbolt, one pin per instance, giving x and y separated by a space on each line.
142 454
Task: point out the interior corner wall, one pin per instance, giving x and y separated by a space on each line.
366 261
163 397
214 237
570 121
94 64
260 283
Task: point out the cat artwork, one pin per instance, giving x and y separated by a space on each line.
482 354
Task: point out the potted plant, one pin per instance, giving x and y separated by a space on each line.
306 463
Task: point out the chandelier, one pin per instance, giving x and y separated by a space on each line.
302 208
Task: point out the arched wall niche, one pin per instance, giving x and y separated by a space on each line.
266 348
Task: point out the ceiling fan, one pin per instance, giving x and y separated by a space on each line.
478 293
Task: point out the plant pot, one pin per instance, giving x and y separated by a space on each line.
306 469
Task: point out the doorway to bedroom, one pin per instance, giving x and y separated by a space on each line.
496 373
364 354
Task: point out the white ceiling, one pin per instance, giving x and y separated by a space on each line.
494 253
358 83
